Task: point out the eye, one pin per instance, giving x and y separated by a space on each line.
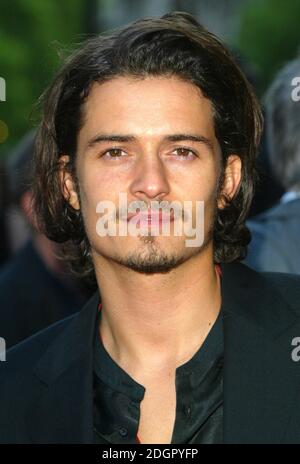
113 153
185 152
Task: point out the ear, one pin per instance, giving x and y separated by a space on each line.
232 179
67 183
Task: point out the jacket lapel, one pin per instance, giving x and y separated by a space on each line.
260 378
63 407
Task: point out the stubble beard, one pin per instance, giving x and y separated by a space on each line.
152 259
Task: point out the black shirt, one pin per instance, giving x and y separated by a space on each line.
199 395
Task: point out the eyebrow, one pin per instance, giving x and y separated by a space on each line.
131 138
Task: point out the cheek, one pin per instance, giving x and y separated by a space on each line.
204 185
205 189
91 192
94 187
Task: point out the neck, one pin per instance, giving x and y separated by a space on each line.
157 320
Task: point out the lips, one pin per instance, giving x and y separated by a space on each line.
147 218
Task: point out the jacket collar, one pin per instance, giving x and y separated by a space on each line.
250 295
63 408
256 322
79 336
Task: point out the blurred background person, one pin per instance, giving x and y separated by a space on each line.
276 231
35 287
268 189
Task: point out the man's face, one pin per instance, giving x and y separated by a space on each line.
147 167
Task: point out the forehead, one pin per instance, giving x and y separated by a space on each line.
149 106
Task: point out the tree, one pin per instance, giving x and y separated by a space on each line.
31 33
270 35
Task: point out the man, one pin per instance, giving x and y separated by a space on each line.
275 232
186 345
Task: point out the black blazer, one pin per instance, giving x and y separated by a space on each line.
46 390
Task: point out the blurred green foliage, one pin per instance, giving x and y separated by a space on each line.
269 36
32 32
31 35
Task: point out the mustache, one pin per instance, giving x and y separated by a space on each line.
163 206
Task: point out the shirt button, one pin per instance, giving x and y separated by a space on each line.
123 431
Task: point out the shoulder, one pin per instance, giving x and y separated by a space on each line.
265 295
21 357
33 365
19 387
281 211
66 332
288 285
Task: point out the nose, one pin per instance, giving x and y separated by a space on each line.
150 179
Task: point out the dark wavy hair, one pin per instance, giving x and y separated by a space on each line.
175 44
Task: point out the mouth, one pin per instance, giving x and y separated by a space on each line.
154 218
